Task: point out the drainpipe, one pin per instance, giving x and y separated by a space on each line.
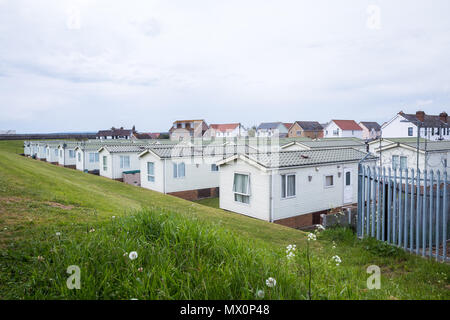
271 198
164 177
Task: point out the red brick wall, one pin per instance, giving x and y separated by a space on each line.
193 194
132 178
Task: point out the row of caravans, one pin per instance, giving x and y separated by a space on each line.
290 182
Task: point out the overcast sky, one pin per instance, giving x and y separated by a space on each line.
84 65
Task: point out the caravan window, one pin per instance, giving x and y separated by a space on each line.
179 170
151 171
241 188
124 162
288 185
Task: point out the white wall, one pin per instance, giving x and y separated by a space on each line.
52 156
113 160
331 127
312 196
398 129
84 163
279 131
198 174
435 160
64 159
259 206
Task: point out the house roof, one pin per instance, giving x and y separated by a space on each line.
268 125
224 127
288 159
123 148
347 124
115 132
179 151
431 146
288 125
429 120
371 125
181 121
322 144
310 125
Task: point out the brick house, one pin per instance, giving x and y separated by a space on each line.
186 129
306 129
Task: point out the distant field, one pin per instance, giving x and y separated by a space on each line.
53 217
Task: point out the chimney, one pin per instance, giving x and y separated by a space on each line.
443 116
420 115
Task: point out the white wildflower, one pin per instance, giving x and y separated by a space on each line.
141 269
260 294
92 230
271 282
125 254
337 259
312 237
320 227
133 255
290 251
58 234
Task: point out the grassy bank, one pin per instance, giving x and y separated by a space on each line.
52 217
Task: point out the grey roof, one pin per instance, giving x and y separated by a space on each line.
198 151
430 120
371 125
268 125
432 146
309 157
321 144
310 125
125 148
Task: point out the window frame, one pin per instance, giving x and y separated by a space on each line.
176 170
248 191
286 179
122 162
410 131
105 163
395 164
325 181
148 172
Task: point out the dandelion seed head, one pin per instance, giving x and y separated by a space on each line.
260 294
271 282
133 255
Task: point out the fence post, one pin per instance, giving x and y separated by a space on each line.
400 211
389 207
418 212
405 213
379 203
424 213
368 201
430 227
411 214
374 197
445 212
383 223
438 200
360 197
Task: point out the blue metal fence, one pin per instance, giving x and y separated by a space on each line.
405 208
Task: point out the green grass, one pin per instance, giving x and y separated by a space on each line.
210 202
186 250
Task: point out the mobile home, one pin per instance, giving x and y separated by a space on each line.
292 188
